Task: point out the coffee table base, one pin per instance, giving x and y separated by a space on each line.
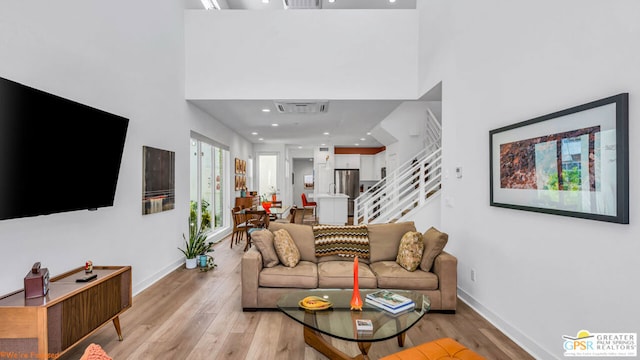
317 341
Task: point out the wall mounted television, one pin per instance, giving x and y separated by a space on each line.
56 155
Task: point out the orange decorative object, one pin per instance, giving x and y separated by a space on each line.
274 197
266 205
356 300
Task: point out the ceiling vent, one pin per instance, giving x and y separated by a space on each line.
302 4
302 107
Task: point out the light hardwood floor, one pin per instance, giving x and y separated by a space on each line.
197 315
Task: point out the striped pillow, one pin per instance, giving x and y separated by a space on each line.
346 241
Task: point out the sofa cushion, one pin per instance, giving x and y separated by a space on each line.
302 236
384 239
339 274
391 275
304 276
434 242
285 248
263 240
410 250
346 241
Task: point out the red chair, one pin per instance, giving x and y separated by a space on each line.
308 204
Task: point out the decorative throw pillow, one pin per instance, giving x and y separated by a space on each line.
285 248
95 352
410 250
434 242
263 240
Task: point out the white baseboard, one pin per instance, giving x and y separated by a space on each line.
514 334
139 287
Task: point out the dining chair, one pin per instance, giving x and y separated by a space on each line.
256 220
306 203
239 225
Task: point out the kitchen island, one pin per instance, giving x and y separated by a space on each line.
332 209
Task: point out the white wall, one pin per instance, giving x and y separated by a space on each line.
406 123
337 54
538 276
123 57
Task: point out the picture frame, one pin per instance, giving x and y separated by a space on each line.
574 162
158 180
308 182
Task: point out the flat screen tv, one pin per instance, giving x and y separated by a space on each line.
56 155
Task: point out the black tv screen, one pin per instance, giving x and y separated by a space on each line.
56 155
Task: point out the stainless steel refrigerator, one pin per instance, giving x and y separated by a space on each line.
348 182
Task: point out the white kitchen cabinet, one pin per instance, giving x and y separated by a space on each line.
368 170
347 161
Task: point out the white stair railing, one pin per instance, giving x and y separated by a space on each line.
412 185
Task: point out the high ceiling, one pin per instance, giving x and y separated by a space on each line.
347 122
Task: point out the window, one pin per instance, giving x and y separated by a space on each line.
208 183
267 174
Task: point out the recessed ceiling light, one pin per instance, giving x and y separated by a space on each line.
266 110
323 144
362 139
265 1
325 133
274 125
254 133
260 139
391 1
357 144
299 147
332 1
369 133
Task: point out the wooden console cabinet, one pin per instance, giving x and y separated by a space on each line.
71 311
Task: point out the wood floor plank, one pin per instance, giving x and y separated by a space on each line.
198 315
265 343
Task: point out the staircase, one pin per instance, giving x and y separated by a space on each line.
409 187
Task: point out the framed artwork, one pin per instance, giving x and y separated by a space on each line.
158 183
240 166
308 182
573 162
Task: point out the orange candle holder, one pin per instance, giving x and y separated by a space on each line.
356 299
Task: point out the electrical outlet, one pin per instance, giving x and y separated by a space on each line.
473 275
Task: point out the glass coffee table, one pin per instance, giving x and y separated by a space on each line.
339 321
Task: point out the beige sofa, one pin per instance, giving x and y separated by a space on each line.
262 286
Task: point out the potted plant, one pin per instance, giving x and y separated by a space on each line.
196 245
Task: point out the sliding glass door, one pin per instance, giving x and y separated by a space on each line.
208 185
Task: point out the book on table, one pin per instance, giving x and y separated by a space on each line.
389 299
401 309
364 325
